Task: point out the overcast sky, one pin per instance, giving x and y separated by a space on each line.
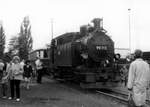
69 15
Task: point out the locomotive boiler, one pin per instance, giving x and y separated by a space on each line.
85 57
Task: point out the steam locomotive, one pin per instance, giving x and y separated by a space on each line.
85 57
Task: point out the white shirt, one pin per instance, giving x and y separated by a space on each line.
38 64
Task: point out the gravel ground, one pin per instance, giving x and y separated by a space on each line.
54 94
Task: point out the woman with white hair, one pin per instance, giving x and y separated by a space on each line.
15 75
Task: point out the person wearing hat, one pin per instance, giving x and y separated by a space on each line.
15 75
138 79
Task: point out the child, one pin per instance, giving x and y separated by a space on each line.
27 73
4 84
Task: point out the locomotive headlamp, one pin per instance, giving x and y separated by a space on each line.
117 56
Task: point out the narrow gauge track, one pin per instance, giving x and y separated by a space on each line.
119 97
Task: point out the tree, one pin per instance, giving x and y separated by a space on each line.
13 46
7 57
2 41
25 40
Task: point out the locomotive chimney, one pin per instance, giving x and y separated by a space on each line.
83 30
98 23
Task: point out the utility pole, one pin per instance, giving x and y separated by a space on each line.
52 44
129 12
52 28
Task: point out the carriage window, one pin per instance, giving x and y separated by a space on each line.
45 54
41 54
55 42
37 54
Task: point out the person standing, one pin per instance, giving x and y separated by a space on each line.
2 75
124 75
16 75
5 79
1 69
27 73
138 79
39 70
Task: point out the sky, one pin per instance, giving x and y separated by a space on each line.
69 15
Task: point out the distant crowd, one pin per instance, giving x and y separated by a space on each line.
15 71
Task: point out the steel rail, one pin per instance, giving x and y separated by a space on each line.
117 97
113 96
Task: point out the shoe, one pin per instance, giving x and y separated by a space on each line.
4 97
10 98
18 99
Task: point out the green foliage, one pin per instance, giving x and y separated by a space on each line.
7 57
25 40
2 41
13 46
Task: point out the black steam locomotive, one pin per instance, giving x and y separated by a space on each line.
86 57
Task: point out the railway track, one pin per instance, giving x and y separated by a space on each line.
119 97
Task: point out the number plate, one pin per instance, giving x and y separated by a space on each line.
101 47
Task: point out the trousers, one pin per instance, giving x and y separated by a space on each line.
39 75
15 87
4 89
